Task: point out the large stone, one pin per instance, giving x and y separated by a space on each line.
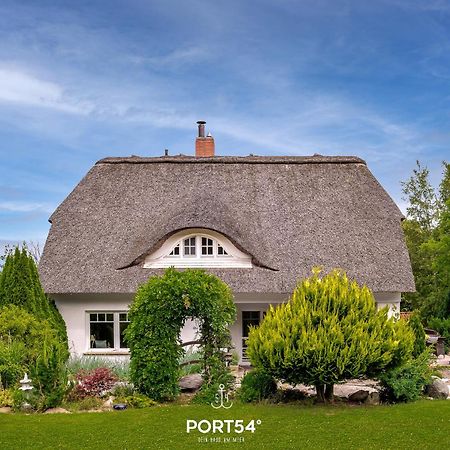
373 399
57 411
437 389
346 390
190 383
359 396
5 410
108 404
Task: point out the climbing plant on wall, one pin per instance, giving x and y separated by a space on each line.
157 314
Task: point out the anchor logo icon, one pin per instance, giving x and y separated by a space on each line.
222 400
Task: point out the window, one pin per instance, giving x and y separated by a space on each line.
106 330
175 251
249 318
207 246
221 251
189 246
123 324
198 247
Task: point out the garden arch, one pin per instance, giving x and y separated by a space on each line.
157 314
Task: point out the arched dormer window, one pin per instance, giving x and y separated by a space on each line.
198 248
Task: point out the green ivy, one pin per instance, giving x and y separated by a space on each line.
157 314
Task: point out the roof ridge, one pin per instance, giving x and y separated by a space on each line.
187 159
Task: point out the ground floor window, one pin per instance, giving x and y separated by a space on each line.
249 318
106 330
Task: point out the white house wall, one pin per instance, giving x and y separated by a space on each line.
389 299
74 310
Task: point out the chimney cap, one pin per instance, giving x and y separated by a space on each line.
201 122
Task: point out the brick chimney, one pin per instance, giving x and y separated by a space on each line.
204 145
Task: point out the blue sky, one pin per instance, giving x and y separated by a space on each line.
87 79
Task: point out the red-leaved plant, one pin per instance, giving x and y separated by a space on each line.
94 383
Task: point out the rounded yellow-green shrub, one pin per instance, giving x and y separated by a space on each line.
329 331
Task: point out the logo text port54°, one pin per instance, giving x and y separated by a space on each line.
221 426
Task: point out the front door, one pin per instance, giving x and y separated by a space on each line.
249 318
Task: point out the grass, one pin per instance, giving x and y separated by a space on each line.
425 424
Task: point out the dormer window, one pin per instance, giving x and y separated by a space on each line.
198 248
207 246
221 250
189 246
175 251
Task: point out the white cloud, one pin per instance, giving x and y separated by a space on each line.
22 88
180 56
9 206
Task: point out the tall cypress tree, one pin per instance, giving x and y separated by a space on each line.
20 285
16 285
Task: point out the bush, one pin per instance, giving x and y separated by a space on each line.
136 401
207 393
329 331
406 383
50 375
32 398
123 390
13 360
416 326
95 383
256 386
6 397
86 404
30 345
120 368
20 286
33 337
157 314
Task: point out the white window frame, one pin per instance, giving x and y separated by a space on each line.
162 258
116 331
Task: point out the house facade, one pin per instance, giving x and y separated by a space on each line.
259 223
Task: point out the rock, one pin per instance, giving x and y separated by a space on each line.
373 399
437 389
368 396
191 382
57 411
347 389
359 396
5 410
108 404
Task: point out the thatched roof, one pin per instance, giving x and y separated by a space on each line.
288 213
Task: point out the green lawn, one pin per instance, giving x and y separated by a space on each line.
421 425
